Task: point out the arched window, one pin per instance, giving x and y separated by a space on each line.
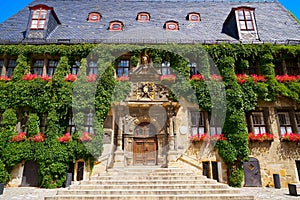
39 16
116 26
193 17
171 26
144 130
143 17
94 17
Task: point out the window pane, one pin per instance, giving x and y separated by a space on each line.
53 63
50 71
282 130
289 129
38 63
248 15
243 25
219 130
34 23
36 14
201 130
43 14
241 15
262 130
116 26
249 25
212 131
12 63
42 24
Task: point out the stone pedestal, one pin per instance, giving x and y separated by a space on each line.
172 158
119 158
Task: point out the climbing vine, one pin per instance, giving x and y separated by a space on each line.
58 97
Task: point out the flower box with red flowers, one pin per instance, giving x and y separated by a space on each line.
206 137
71 77
86 137
37 138
123 78
197 77
291 137
4 78
91 78
64 139
216 77
19 138
260 137
168 77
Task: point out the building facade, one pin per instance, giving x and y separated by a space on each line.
173 96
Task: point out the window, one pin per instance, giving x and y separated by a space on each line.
10 68
38 18
88 125
245 19
116 26
51 67
94 17
284 122
214 126
143 17
93 68
144 130
43 123
38 66
193 17
171 25
165 68
75 67
258 122
1 66
123 68
197 122
23 121
71 126
193 69
292 66
297 114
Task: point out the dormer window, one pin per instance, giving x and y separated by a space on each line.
94 17
193 17
143 17
39 16
115 26
171 26
245 19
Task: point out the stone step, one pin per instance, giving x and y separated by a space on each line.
145 177
153 197
126 173
147 186
134 182
147 192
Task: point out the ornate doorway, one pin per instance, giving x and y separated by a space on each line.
145 145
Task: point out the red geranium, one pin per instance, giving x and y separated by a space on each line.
197 77
242 78
260 137
91 78
37 138
71 77
123 78
64 139
169 77
86 137
294 137
18 138
4 78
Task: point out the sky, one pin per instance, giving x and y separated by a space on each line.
9 8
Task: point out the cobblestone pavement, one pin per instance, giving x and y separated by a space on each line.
31 193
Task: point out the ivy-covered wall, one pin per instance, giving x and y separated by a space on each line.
59 96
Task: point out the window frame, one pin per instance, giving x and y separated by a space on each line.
51 68
121 68
113 23
193 68
140 15
1 65
258 126
171 23
94 14
75 67
92 67
193 14
200 126
39 18
287 126
245 20
165 67
88 122
11 65
37 67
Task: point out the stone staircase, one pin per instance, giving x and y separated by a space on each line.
149 184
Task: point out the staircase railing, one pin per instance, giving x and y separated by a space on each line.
105 157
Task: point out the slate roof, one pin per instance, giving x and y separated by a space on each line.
274 24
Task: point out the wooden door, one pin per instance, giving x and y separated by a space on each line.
144 151
30 174
252 173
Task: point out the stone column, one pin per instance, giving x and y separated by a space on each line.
119 153
172 153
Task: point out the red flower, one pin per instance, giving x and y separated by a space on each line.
45 78
260 137
91 78
287 78
169 77
29 77
64 139
205 137
86 137
4 78
37 138
123 78
71 77
241 78
216 77
18 138
258 78
197 77
294 137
